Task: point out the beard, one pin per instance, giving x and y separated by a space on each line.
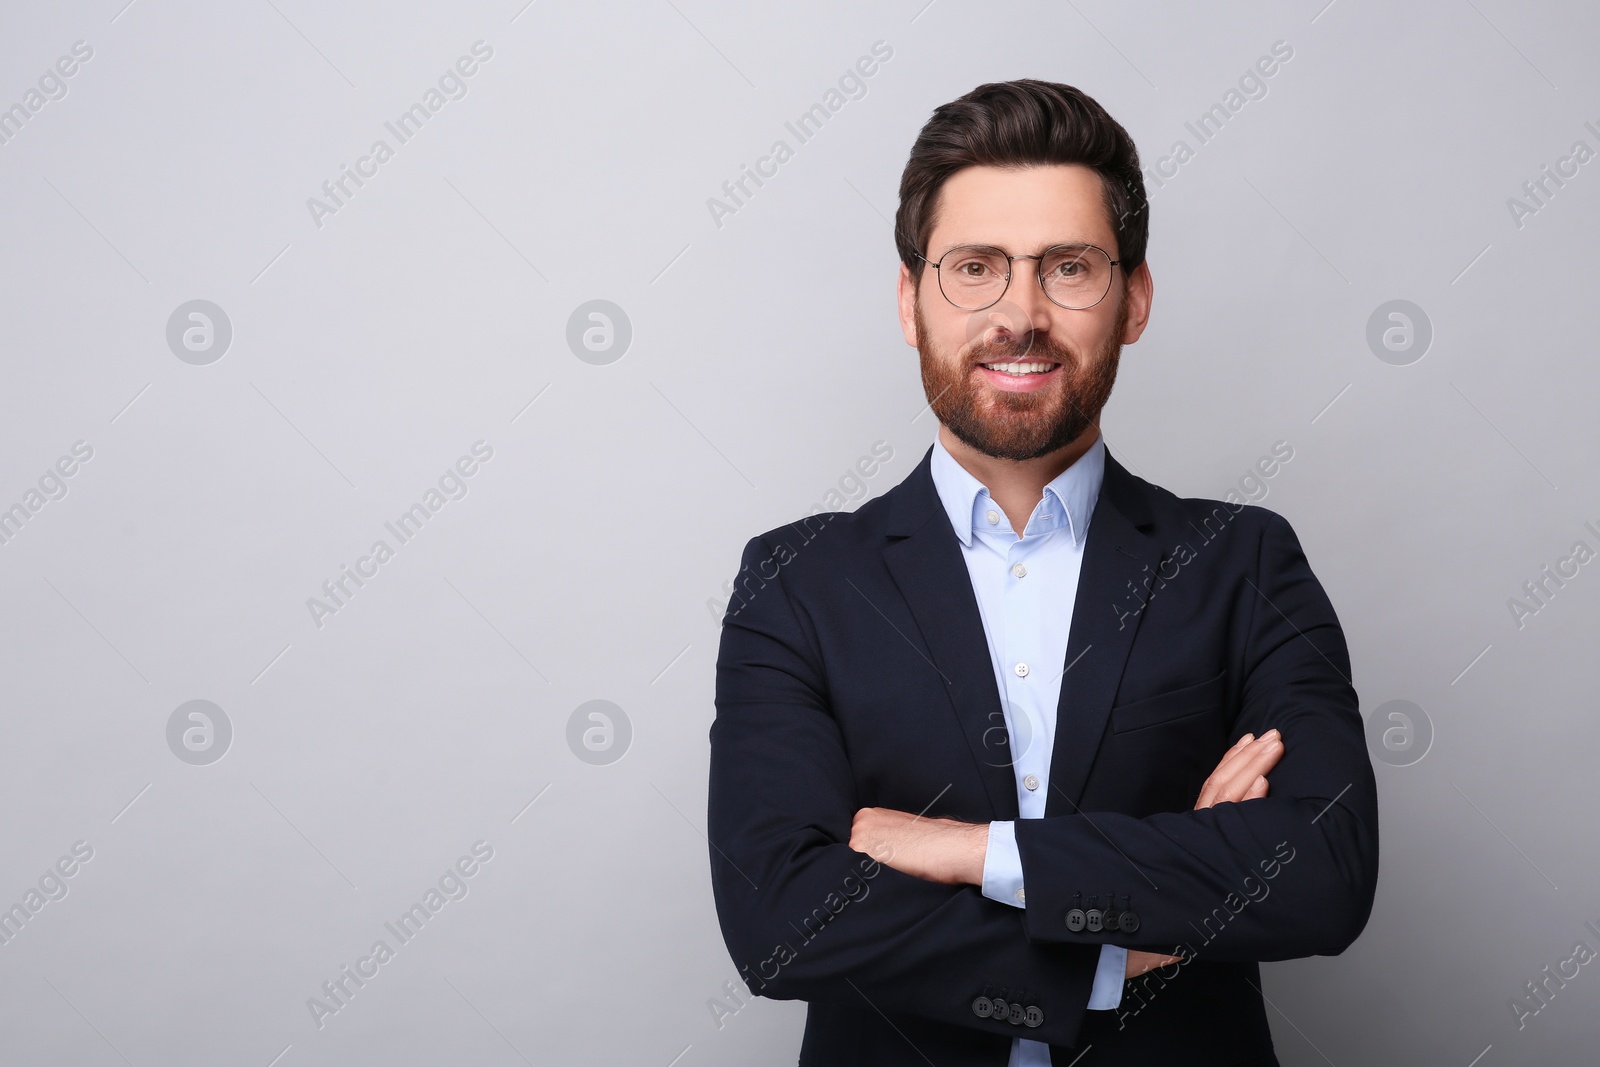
1018 425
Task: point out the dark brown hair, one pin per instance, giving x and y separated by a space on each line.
1015 124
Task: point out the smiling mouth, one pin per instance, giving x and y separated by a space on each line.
1021 370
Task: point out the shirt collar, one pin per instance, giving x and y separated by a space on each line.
1071 493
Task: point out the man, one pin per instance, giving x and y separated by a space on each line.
998 741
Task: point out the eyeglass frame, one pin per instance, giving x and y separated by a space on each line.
1038 274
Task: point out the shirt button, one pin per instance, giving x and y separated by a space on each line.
1021 899
992 516
1019 570
1031 782
1022 670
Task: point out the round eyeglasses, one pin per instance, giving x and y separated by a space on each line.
973 277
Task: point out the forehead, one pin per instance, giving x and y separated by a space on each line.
1022 208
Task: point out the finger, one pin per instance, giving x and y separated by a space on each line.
1257 790
1241 751
1227 766
1243 777
1239 771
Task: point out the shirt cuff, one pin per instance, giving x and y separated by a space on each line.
1108 978
1002 866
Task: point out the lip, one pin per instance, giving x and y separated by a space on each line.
1025 384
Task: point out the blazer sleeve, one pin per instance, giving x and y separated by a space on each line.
804 916
1287 875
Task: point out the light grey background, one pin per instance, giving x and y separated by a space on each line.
588 557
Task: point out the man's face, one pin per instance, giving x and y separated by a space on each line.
1069 357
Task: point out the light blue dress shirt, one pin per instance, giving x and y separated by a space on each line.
1026 588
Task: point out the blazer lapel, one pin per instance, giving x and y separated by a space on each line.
925 560
1105 616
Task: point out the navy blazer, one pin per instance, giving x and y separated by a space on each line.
854 672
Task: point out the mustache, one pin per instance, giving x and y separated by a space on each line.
1032 347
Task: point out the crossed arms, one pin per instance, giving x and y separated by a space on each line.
809 913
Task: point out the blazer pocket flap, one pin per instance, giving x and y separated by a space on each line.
1172 704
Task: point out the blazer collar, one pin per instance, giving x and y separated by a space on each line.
924 558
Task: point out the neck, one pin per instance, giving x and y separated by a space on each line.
1017 485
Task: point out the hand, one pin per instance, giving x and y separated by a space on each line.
1242 772
938 850
1140 962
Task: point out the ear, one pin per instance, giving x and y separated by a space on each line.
906 289
1141 292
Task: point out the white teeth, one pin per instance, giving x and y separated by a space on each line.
1020 368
